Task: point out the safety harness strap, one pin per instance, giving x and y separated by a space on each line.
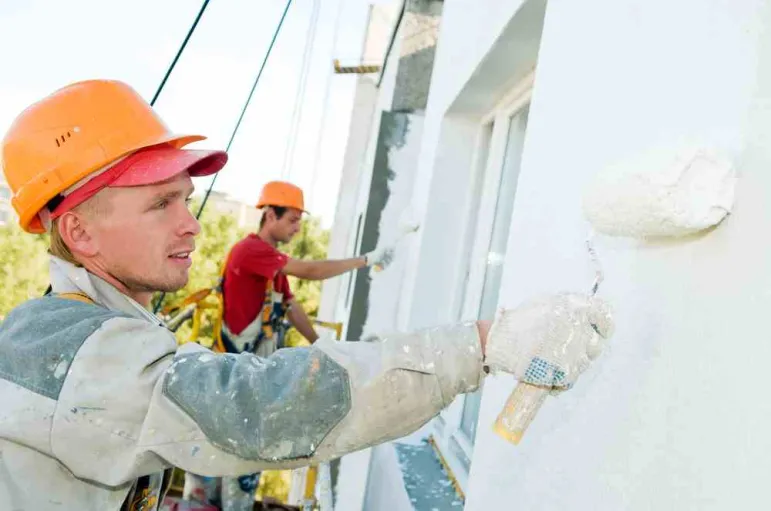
81 297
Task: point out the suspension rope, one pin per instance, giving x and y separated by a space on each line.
179 53
246 105
238 125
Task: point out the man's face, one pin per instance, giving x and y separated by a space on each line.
283 229
144 235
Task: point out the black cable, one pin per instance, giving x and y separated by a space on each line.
246 105
237 126
179 53
168 73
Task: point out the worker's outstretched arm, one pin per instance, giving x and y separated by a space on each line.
300 320
321 270
141 403
131 401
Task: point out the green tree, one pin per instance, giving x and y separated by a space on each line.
23 266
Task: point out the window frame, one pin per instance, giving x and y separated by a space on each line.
486 172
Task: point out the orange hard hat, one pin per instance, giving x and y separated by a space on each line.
282 194
71 133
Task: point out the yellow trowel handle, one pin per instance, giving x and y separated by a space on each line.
519 411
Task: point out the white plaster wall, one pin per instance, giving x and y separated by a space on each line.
675 415
385 290
382 17
469 28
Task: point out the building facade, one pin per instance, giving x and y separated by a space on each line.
489 120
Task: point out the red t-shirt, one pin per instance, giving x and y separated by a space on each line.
250 264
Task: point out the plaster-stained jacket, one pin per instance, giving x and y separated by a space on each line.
97 396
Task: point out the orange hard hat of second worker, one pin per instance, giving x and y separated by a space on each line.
88 135
281 194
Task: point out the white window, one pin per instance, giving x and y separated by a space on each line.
496 253
507 188
5 192
491 203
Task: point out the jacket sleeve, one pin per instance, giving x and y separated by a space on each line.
132 403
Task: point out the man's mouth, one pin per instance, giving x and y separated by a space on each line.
181 256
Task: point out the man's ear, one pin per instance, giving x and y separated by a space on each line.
74 231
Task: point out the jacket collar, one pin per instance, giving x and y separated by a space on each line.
68 278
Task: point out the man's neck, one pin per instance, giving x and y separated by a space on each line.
267 238
143 298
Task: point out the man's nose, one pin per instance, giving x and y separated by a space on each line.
189 224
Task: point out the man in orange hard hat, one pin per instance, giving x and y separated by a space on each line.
258 303
99 401
255 287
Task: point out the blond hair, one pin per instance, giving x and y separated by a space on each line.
58 248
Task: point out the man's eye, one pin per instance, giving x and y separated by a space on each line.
162 204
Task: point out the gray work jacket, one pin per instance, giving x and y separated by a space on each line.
97 396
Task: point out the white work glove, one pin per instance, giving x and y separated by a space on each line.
381 256
549 341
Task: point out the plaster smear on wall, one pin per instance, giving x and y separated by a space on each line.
376 295
662 194
385 286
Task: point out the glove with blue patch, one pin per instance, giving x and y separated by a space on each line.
549 341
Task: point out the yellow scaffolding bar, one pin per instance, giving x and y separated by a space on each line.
360 69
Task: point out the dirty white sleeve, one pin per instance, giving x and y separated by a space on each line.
132 403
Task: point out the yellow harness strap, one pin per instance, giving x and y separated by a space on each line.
81 297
